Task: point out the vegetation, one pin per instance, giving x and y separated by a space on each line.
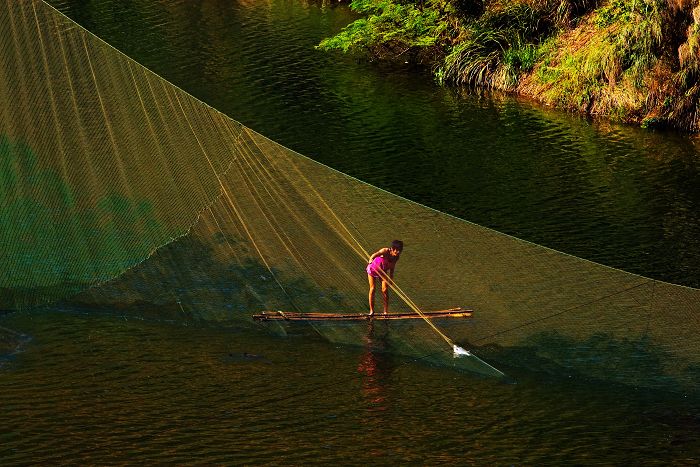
392 30
630 60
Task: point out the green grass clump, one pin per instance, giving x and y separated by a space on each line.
602 67
507 41
631 60
390 28
682 109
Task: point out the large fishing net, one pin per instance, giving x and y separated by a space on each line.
120 192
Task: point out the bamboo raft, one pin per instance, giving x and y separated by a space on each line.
458 312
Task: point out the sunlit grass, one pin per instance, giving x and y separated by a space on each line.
617 58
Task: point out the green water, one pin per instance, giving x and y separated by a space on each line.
94 387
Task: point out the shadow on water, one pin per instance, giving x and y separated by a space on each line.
189 280
634 363
11 343
245 357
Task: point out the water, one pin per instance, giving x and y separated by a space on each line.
96 389
91 387
618 195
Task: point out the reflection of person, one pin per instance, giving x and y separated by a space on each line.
375 366
381 266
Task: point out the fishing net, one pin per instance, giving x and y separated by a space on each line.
121 193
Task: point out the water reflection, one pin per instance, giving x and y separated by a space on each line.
375 366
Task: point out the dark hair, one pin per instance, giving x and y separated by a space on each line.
397 244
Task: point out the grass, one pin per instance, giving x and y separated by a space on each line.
390 29
629 60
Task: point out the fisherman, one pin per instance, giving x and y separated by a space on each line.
381 266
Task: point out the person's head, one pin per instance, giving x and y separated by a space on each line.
396 247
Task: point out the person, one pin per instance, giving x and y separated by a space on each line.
381 265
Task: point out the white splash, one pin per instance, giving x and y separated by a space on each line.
460 352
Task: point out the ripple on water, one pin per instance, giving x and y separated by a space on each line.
100 389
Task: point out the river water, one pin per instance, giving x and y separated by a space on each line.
99 389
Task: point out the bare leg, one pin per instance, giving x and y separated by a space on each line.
371 294
385 296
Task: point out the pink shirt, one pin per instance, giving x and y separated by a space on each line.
383 263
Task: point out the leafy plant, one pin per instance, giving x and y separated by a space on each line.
392 26
606 57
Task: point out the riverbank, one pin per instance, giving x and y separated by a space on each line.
632 61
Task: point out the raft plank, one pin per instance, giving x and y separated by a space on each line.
458 312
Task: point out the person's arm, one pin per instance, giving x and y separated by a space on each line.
378 253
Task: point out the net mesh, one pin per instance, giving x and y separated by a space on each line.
119 191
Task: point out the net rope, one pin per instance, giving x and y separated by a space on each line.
120 192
